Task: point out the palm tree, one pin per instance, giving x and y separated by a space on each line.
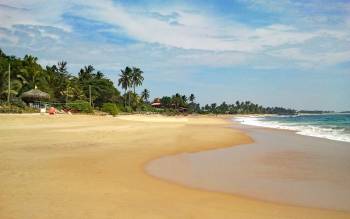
31 74
177 100
57 78
136 78
213 107
184 99
99 75
237 103
16 85
125 81
86 73
145 94
192 98
166 101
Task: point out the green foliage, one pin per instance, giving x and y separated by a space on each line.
102 89
62 86
55 80
79 106
18 102
148 108
170 112
136 77
194 107
192 98
128 109
177 100
245 107
131 77
145 95
125 81
58 79
166 101
110 108
6 108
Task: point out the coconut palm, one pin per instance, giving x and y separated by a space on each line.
166 101
145 95
86 73
125 81
184 99
192 98
31 74
136 78
177 100
99 75
57 78
16 86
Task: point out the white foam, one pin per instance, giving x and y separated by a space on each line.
308 130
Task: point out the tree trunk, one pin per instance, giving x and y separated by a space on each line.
125 98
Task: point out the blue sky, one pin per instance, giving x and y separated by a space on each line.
277 53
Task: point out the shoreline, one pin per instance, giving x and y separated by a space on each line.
92 167
311 130
199 162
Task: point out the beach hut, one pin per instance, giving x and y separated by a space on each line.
34 97
156 103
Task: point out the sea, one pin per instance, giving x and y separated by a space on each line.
335 126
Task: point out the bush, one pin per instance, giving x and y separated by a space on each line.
170 112
80 106
18 102
128 109
5 108
110 108
148 108
120 107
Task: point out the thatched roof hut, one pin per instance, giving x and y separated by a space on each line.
35 95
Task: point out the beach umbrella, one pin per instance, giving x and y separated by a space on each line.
35 95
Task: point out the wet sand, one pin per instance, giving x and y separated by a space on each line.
93 167
279 166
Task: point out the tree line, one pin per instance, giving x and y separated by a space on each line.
88 84
62 86
244 107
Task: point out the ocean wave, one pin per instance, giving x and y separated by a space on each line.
329 132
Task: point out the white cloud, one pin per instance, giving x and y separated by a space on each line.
34 12
197 31
195 38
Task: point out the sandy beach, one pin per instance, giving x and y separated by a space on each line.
93 167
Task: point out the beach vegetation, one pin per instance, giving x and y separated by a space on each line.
125 82
145 95
244 107
12 108
110 108
90 88
136 78
80 106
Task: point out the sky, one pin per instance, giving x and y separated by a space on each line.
275 53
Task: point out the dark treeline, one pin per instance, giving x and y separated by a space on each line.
315 111
71 90
244 107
